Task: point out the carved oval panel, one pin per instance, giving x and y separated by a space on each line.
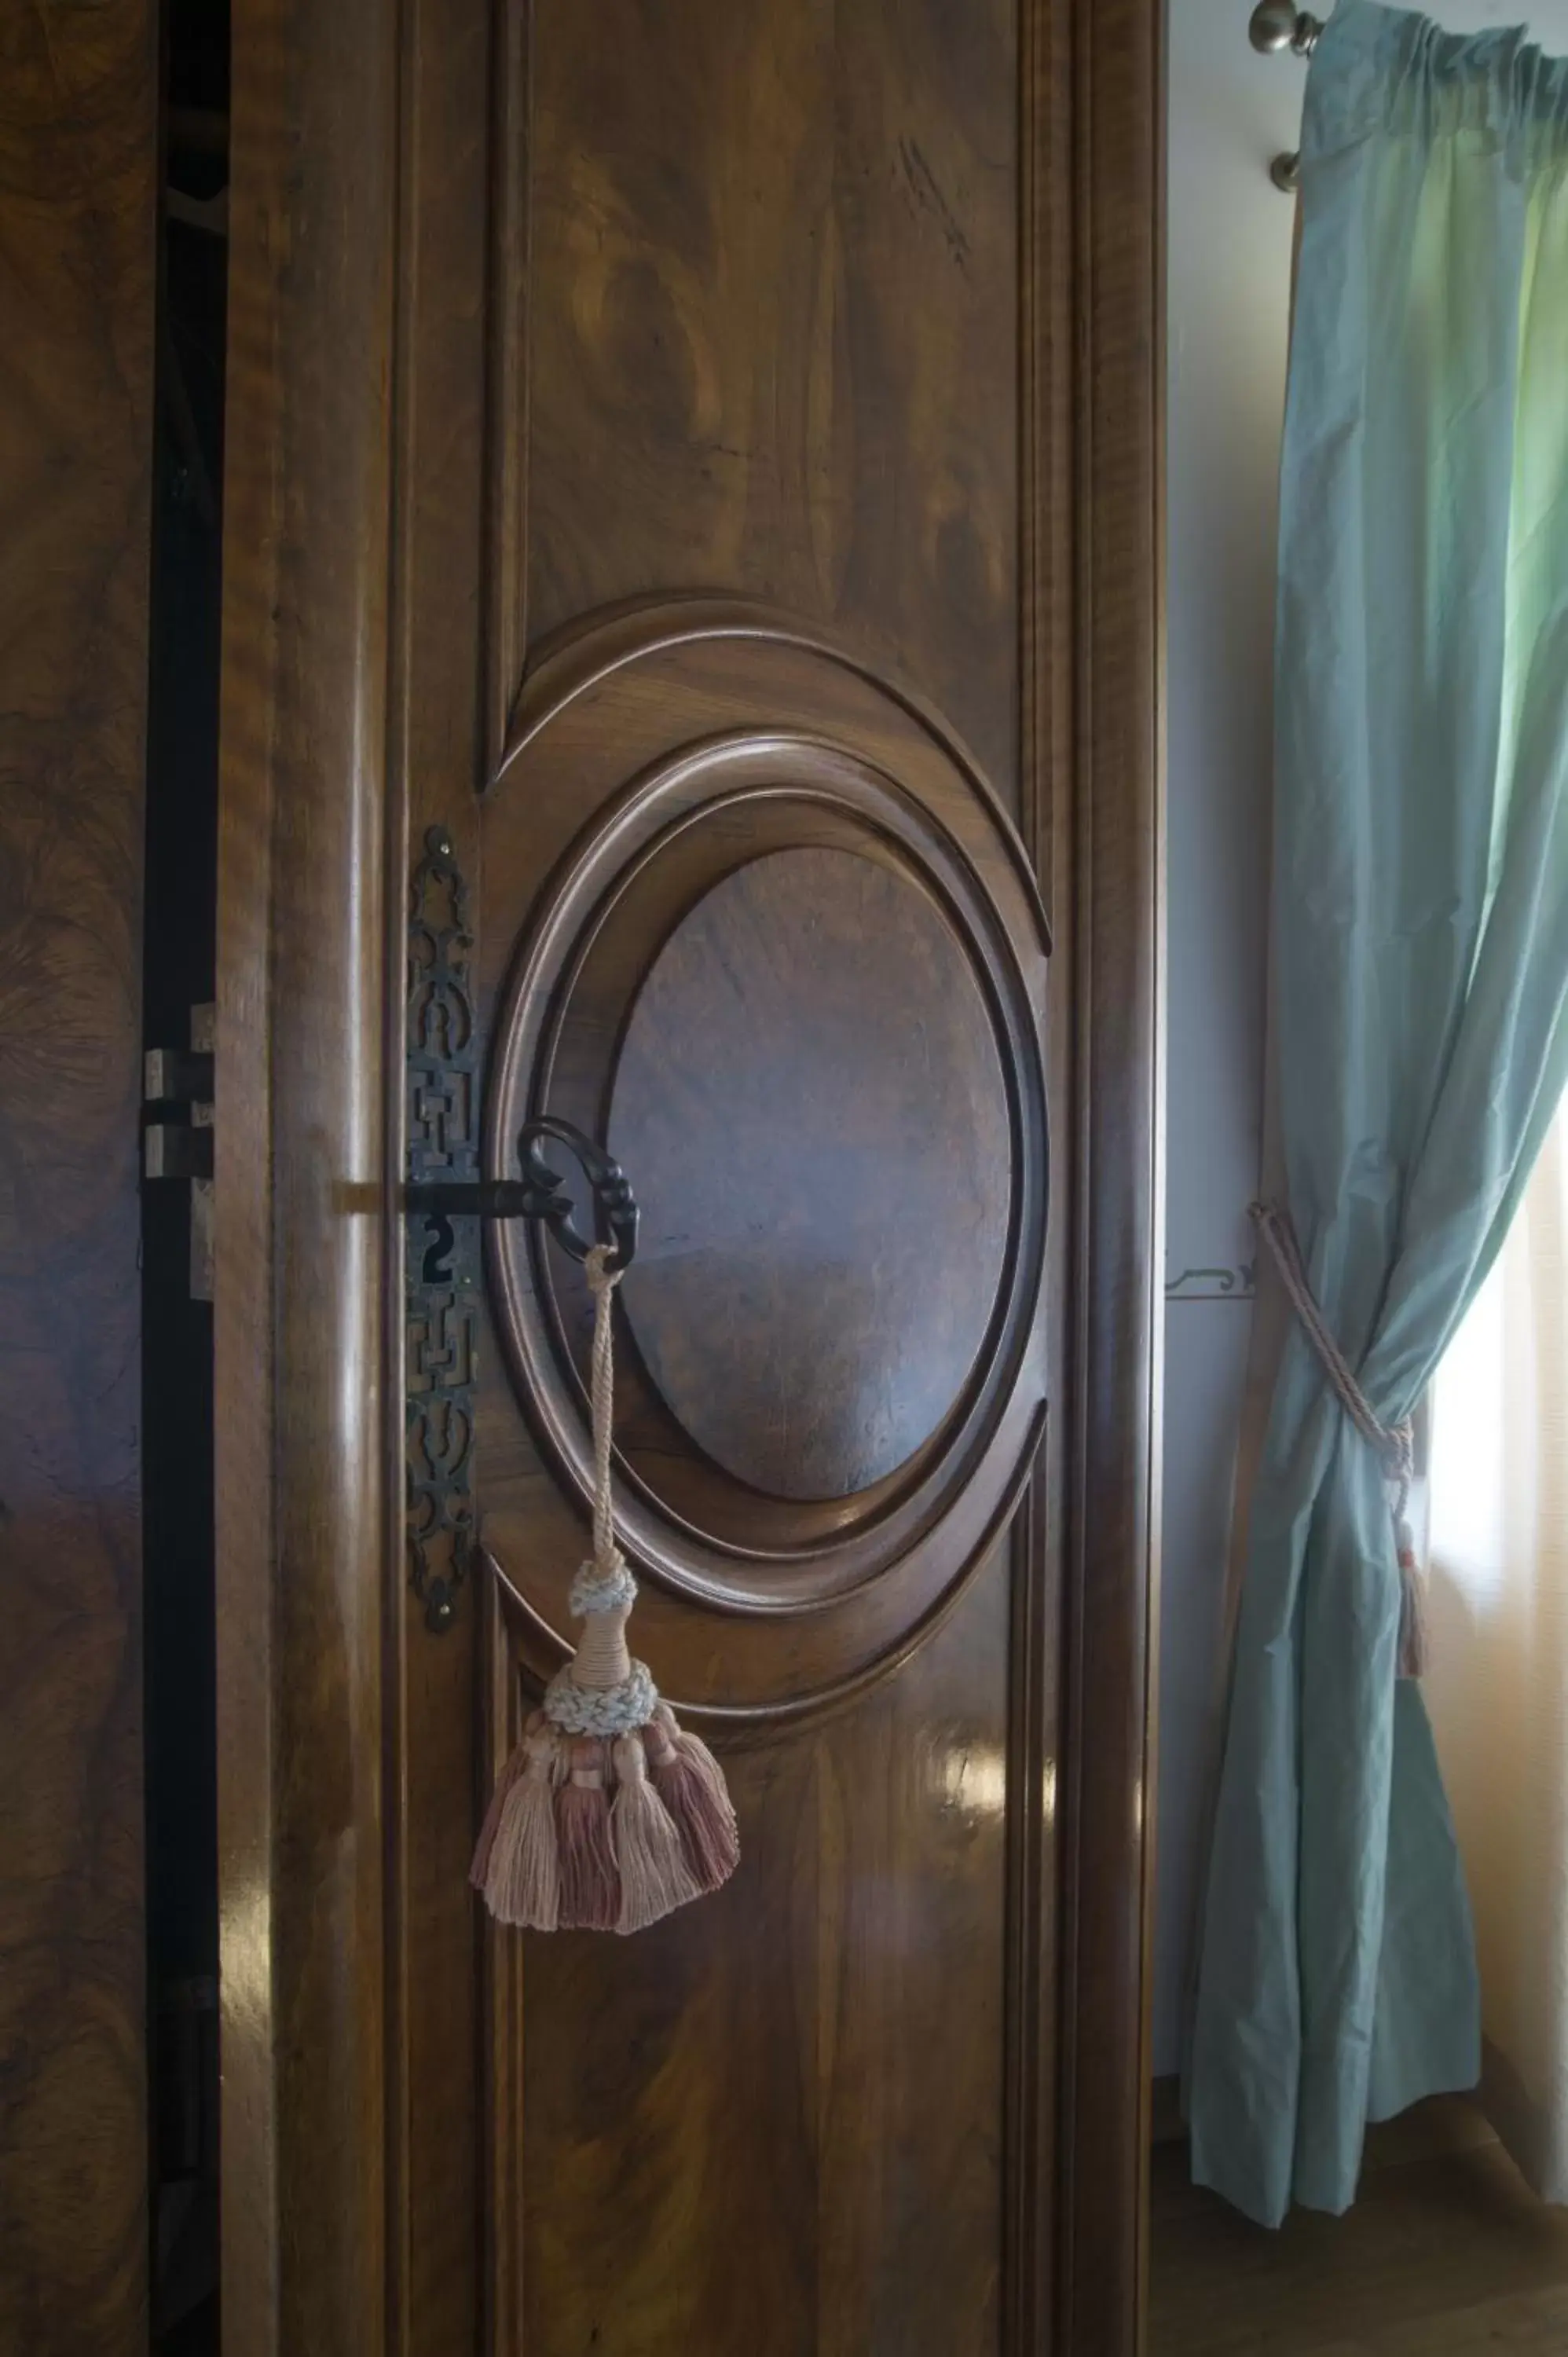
810 1095
750 916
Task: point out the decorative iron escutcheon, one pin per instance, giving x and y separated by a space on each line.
440 1256
444 1201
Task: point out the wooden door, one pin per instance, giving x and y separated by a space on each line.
699 462
750 915
78 261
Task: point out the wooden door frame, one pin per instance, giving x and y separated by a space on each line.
325 143
1093 533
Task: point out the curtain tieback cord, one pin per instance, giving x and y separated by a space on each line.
1394 1443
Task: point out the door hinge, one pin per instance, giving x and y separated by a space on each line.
178 1085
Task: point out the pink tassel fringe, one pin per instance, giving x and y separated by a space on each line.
522 1882
692 1786
590 1887
654 1876
478 1872
555 1851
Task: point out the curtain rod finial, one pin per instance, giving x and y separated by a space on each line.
1277 26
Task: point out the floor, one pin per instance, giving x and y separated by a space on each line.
1446 2253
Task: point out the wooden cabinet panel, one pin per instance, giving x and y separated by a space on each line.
759 2074
787 2117
78 138
772 327
664 442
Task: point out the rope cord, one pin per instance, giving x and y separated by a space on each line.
1394 1443
602 1283
601 1691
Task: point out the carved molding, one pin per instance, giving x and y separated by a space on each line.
681 804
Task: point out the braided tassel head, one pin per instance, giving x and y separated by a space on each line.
607 1816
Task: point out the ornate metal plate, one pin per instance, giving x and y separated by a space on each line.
441 1253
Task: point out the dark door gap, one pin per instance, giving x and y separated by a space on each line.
178 974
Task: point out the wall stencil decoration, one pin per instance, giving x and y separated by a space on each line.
1218 1283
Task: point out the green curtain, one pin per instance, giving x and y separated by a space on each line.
1419 931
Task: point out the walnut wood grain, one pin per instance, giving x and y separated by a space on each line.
754 302
852 312
623 862
772 320
809 1092
773 326
1116 1228
437 753
301 1264
78 225
796 2090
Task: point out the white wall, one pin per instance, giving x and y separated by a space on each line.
1229 246
1230 239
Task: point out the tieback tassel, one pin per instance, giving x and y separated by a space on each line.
1394 1443
1413 1641
692 1788
517 1864
590 1878
608 1816
654 1876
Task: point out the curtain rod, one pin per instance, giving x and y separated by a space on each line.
1277 26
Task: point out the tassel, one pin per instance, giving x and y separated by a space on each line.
654 1876
1394 1443
515 1767
590 1887
553 1851
522 1877
1413 1653
692 1786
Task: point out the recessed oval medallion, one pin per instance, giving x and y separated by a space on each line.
811 1096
